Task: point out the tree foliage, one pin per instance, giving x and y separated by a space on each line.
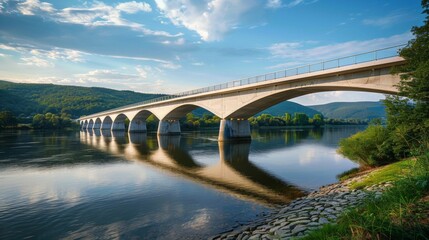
7 119
407 131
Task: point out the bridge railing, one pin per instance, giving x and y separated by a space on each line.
305 69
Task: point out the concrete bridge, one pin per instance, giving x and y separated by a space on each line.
234 102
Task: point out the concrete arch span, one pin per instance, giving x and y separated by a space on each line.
138 122
264 102
90 124
97 123
170 125
106 123
119 122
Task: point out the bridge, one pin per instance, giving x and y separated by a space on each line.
234 102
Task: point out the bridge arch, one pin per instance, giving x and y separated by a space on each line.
107 123
90 124
119 122
169 124
138 122
97 123
180 111
268 100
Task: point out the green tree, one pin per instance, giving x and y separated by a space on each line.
300 119
8 119
408 113
317 120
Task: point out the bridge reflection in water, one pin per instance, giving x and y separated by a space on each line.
233 173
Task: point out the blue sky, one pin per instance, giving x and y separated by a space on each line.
166 46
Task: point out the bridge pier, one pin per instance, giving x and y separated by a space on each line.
169 127
138 126
237 129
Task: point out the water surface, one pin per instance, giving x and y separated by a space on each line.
108 185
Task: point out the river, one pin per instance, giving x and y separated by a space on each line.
71 184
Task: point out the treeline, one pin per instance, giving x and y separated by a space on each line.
193 122
39 121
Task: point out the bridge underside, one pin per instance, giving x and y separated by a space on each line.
234 106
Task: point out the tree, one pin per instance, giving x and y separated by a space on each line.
7 119
408 113
300 119
317 120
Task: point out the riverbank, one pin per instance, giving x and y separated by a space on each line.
304 214
330 204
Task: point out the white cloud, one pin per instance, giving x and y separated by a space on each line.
211 19
29 7
179 41
297 51
134 7
274 4
198 64
170 65
143 72
95 14
384 21
35 61
100 75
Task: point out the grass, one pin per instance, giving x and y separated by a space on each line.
391 172
402 212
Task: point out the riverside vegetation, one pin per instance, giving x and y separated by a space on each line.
393 178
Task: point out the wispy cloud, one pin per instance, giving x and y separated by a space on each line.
211 19
384 21
36 61
134 7
301 52
94 15
31 7
274 4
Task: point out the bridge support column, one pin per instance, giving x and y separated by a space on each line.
234 130
169 127
137 126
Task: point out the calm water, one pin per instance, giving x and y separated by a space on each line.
107 185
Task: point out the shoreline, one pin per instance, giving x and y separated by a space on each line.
302 215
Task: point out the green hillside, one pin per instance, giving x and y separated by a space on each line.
290 107
29 99
352 110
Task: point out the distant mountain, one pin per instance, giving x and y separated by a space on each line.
289 107
29 99
352 110
276 110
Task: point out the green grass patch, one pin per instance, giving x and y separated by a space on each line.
402 212
391 172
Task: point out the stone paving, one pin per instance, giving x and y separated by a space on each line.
307 213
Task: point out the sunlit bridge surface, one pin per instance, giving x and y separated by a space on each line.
124 185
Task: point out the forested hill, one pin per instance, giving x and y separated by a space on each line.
352 110
29 99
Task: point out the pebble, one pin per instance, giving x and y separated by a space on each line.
305 214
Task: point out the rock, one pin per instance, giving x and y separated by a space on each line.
298 228
254 237
323 220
